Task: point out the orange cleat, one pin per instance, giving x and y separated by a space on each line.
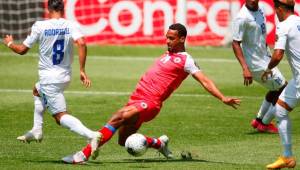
282 162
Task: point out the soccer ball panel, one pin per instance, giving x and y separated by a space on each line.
136 144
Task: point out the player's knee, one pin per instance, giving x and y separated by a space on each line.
272 96
117 119
35 92
122 118
280 112
58 116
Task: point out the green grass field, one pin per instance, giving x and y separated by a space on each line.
218 136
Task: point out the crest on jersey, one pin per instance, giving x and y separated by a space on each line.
144 105
177 60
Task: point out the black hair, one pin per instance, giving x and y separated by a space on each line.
277 4
180 28
56 5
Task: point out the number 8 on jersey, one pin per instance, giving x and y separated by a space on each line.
58 51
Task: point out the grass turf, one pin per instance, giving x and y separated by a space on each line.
217 136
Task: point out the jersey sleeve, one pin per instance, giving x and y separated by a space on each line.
33 37
238 29
281 36
76 31
191 66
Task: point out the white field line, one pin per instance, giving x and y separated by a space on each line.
140 58
115 93
130 58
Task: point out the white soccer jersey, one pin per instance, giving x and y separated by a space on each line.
249 27
288 39
55 37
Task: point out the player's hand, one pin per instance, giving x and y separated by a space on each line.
267 73
7 39
84 79
247 77
233 102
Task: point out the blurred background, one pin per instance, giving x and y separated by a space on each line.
137 22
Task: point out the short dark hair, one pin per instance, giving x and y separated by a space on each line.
278 3
56 5
180 28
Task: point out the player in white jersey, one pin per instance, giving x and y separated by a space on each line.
287 40
250 48
55 36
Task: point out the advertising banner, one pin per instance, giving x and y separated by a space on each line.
145 22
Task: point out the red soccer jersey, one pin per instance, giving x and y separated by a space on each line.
164 76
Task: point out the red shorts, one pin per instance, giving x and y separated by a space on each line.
147 110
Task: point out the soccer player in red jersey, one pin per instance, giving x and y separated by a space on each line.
155 86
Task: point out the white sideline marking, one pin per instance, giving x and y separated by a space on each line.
115 93
130 58
141 58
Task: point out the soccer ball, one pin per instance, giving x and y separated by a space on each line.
136 144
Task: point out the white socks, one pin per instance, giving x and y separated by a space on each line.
263 109
67 121
39 109
76 126
269 116
284 127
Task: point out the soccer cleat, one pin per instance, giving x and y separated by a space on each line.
270 128
255 123
283 162
30 136
77 158
164 148
94 142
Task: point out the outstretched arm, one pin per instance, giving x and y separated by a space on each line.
82 52
236 46
210 86
17 48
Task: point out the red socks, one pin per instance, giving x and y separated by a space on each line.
153 143
87 151
107 132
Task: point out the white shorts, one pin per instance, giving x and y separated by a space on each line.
53 97
290 94
273 83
